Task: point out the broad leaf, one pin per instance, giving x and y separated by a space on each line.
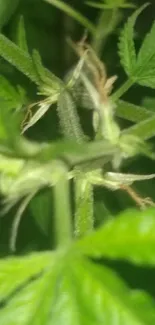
16 271
146 60
71 290
131 236
126 44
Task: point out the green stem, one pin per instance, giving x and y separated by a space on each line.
107 23
62 208
84 214
123 89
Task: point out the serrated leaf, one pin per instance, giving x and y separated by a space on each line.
126 45
21 60
145 69
131 236
73 290
18 58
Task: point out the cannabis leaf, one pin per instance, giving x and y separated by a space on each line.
115 240
126 45
41 289
140 68
146 60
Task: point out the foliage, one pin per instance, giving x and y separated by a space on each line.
54 179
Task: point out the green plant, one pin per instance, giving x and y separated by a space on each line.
70 284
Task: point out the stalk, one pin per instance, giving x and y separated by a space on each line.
123 89
84 205
62 208
107 23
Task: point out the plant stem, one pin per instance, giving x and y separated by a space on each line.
123 89
62 208
84 214
107 23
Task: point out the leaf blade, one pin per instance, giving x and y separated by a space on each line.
126 45
116 241
76 290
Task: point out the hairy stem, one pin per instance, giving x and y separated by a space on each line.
84 214
62 208
123 89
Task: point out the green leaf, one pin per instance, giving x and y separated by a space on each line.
7 10
47 78
131 236
21 40
126 45
16 271
144 129
73 13
70 290
18 58
13 97
23 62
40 207
149 103
9 126
146 61
132 112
